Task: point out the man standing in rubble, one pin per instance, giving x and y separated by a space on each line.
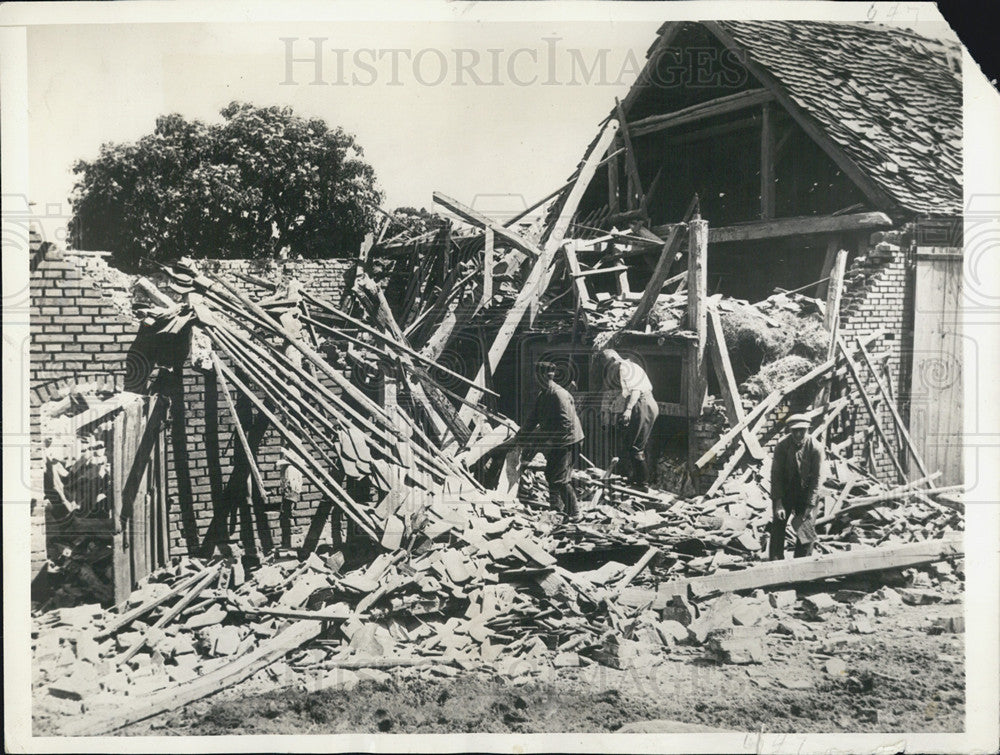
628 401
796 477
554 428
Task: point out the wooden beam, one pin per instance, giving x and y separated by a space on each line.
831 317
527 211
892 410
767 161
178 695
823 285
727 381
814 568
569 208
657 280
576 275
635 193
488 264
699 112
481 221
697 312
876 195
617 269
653 188
788 227
862 391
614 193
538 279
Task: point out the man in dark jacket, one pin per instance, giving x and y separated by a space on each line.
555 430
796 477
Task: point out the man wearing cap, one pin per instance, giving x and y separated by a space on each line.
796 477
555 430
628 400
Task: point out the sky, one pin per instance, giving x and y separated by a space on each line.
492 111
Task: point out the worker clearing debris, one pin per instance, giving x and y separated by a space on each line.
554 428
796 476
628 401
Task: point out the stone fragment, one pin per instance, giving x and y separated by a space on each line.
849 596
737 645
566 660
836 667
783 599
816 606
914 596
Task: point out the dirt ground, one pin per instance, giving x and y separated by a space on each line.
901 678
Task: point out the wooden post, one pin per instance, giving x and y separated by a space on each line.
613 190
487 268
697 311
579 284
727 382
831 319
635 195
823 287
767 153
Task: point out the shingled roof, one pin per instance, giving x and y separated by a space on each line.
890 99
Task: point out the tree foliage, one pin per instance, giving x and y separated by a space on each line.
262 182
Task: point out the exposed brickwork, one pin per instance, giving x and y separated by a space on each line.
81 333
879 296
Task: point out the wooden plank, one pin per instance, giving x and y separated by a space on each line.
900 425
936 380
767 161
634 194
524 213
488 264
122 570
617 269
176 696
127 618
481 221
814 568
538 278
637 568
727 381
658 279
238 427
172 613
789 227
697 312
576 274
613 189
719 106
872 414
831 315
566 214
823 285
877 196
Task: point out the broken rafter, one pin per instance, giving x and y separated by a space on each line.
481 221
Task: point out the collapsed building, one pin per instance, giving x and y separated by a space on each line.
783 237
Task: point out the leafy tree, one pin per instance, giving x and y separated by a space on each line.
262 182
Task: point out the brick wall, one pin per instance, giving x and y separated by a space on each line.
202 440
81 332
879 296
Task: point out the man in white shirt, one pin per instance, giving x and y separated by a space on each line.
628 401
